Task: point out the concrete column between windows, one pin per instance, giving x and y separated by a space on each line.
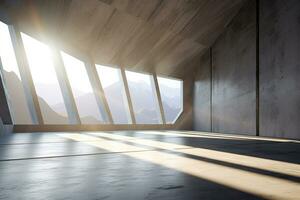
29 89
130 106
5 114
98 90
160 104
66 90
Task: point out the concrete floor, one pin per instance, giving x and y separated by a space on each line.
147 165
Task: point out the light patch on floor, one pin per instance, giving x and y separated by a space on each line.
261 185
189 135
250 161
228 136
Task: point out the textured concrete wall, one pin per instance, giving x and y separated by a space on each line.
202 91
234 75
5 117
4 109
233 79
280 68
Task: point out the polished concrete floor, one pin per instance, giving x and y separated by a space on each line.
147 165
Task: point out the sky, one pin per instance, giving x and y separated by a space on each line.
138 77
108 75
173 83
76 73
43 71
7 53
40 60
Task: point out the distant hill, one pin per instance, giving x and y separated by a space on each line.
89 111
143 104
49 115
169 98
49 92
17 98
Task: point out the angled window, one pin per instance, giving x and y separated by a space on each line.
112 83
82 90
12 80
144 98
171 91
44 77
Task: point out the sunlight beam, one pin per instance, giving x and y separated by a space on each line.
248 161
257 184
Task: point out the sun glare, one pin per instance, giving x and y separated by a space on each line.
109 75
7 53
138 77
40 60
173 83
76 73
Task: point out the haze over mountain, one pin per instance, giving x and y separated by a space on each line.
145 111
17 98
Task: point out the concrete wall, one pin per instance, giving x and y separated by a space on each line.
5 129
5 116
233 79
202 101
234 64
234 69
280 68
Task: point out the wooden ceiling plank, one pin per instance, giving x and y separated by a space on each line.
115 34
142 34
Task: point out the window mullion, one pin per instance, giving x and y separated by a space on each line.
6 115
30 92
98 90
124 79
158 95
65 88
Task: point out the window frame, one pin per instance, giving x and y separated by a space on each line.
155 89
131 120
181 99
95 82
52 67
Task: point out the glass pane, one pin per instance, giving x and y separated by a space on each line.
113 87
144 98
172 97
12 81
45 81
82 90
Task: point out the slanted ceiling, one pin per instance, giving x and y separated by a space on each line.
165 36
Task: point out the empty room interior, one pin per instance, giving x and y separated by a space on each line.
149 99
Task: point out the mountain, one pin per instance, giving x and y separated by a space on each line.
144 107
117 102
49 92
52 117
86 106
170 112
49 115
17 98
